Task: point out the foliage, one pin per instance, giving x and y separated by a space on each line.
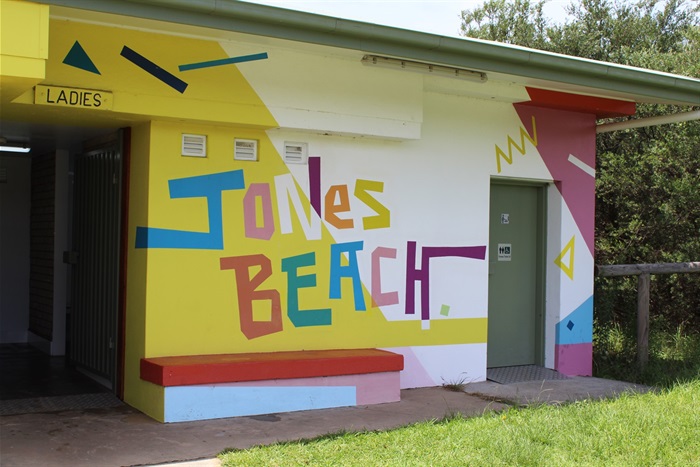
521 23
673 356
650 429
648 184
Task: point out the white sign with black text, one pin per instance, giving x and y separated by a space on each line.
504 252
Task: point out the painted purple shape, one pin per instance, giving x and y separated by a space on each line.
315 183
423 274
559 134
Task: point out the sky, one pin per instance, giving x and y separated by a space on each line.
437 17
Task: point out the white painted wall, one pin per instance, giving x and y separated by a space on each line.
437 189
431 141
328 95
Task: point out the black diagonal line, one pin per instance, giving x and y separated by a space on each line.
150 67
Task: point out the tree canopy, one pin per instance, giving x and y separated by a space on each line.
648 179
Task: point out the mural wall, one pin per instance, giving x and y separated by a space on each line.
379 241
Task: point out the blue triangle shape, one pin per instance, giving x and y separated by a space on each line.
78 58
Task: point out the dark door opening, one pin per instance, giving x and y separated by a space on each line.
94 332
44 356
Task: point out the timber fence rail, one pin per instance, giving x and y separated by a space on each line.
644 272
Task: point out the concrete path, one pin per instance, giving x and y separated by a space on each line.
552 392
124 437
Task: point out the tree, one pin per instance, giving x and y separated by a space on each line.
520 23
648 184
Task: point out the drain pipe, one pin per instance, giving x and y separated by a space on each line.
650 121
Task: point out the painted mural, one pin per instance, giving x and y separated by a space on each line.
343 262
379 241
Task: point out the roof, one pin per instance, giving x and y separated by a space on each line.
638 84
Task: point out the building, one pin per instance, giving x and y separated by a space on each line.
216 178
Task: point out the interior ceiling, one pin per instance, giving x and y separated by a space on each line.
43 138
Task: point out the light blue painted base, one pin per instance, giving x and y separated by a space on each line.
577 327
204 402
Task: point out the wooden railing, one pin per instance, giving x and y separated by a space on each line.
644 272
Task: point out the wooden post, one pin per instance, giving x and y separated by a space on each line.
643 284
644 272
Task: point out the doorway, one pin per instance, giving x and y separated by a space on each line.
517 242
95 311
47 358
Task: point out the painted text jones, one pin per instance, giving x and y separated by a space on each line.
336 201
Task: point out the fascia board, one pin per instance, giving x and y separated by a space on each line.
642 85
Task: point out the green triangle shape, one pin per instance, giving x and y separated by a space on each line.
78 58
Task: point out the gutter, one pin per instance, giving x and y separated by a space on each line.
649 121
249 18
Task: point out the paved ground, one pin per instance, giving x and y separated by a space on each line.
124 437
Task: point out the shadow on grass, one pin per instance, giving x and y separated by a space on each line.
326 437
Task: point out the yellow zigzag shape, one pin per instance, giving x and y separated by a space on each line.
512 144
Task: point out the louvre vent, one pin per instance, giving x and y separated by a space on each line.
245 150
194 145
296 153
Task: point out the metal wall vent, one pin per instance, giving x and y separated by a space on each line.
245 150
194 145
296 153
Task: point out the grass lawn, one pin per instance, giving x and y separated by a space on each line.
658 429
673 356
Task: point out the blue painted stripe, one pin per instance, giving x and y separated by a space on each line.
150 67
204 402
223 61
577 327
207 186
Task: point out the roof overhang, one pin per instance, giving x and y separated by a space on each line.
596 78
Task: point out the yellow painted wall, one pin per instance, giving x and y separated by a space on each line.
137 94
179 300
145 396
192 303
24 46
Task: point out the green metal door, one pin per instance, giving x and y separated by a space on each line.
96 243
516 247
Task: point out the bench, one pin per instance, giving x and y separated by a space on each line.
200 387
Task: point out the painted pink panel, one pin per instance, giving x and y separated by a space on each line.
561 134
414 374
384 387
261 190
372 388
382 298
574 359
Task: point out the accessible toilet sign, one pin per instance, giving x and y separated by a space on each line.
504 251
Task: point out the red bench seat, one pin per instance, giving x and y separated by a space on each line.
230 368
